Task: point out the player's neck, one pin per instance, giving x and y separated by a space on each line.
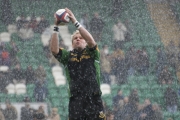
79 49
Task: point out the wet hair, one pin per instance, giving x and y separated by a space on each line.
75 32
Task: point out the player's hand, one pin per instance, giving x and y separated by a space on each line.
71 15
56 22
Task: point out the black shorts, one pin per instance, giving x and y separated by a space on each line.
86 108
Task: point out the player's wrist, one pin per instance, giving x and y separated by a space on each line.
56 29
77 25
74 20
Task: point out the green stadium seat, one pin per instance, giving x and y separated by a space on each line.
141 79
2 27
30 93
51 85
63 91
55 102
166 115
64 95
141 100
30 87
107 96
175 86
109 103
11 97
127 45
33 99
60 110
143 85
131 78
151 78
155 87
148 90
131 83
177 118
114 89
53 94
62 88
124 87
161 102
126 92
19 98
176 115
63 117
163 87
138 44
2 97
133 86
158 93
64 102
143 91
146 94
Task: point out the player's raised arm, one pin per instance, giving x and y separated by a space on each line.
84 33
54 43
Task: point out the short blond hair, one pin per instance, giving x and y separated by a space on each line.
74 33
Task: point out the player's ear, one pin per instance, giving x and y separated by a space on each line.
72 44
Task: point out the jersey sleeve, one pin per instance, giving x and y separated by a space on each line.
94 52
62 56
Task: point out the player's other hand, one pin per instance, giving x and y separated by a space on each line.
71 15
56 22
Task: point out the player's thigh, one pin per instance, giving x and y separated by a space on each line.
78 119
75 108
97 103
94 108
97 116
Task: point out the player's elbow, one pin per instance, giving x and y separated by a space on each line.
92 43
54 51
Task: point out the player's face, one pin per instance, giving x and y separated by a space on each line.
78 42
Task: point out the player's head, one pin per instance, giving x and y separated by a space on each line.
8 104
54 111
126 99
147 102
119 92
135 91
78 41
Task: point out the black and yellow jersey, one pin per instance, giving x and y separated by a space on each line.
82 70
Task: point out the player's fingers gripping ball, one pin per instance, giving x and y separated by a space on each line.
62 17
